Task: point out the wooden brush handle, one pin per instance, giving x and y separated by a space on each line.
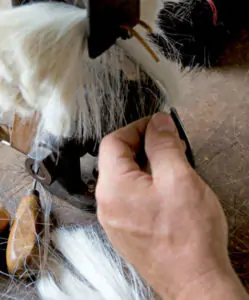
23 235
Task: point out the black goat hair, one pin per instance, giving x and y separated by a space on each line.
189 28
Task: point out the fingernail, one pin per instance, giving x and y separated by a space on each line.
163 122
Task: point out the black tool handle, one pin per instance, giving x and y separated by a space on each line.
189 153
141 157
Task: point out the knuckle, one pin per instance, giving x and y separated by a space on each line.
100 194
166 143
185 175
107 141
104 196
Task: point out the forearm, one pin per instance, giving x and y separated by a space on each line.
215 286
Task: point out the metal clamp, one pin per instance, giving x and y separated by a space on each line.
106 17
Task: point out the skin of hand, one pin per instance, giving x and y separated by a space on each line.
168 223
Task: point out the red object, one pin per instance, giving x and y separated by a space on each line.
215 12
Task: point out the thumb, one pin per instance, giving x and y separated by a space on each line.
165 150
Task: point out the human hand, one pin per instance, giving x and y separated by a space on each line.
168 224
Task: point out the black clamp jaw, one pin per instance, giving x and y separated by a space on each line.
59 170
105 21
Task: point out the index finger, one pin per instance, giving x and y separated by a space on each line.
117 150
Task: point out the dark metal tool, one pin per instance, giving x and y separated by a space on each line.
105 19
183 135
59 171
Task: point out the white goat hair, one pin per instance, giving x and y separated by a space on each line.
95 271
44 67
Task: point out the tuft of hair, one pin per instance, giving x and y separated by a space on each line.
84 264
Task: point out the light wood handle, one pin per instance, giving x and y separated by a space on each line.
21 247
